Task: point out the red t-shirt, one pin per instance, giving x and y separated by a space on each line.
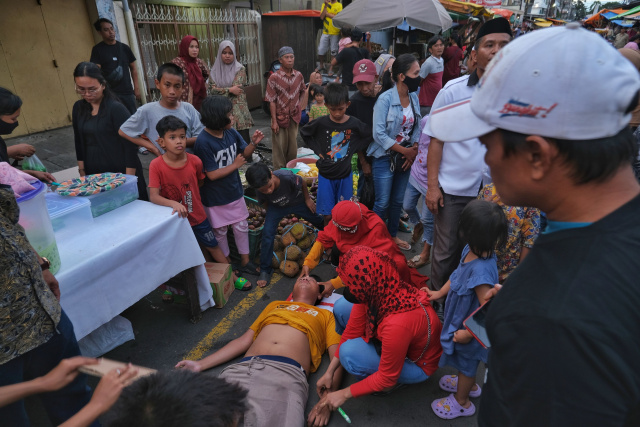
402 335
180 184
452 56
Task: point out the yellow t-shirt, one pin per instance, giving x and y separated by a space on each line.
328 22
317 324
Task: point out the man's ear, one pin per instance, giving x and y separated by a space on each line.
540 156
157 83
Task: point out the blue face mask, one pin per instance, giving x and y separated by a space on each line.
7 128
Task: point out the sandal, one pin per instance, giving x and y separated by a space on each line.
242 284
449 408
450 383
249 268
405 246
404 227
417 262
264 276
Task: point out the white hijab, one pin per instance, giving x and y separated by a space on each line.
222 74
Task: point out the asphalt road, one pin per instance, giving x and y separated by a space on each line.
165 336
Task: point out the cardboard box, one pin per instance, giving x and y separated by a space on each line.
221 280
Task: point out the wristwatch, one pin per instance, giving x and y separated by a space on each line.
45 264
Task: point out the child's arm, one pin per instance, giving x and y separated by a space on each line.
307 198
255 140
141 142
481 292
463 336
227 170
155 197
434 295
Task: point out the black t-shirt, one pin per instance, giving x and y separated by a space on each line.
335 143
362 108
348 58
4 155
289 193
565 330
110 57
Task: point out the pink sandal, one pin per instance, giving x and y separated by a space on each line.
450 383
449 408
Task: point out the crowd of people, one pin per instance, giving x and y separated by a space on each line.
476 161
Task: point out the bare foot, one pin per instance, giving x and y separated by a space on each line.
405 246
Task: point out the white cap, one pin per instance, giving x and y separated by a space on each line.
559 82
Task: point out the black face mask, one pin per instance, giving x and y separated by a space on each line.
413 83
7 128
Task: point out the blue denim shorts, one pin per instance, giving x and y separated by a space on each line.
204 234
332 191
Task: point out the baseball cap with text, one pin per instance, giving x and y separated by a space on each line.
560 82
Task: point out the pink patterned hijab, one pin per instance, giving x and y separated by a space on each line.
222 74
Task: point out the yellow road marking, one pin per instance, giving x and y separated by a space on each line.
229 321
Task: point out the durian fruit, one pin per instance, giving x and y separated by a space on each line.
289 268
298 231
288 239
277 244
305 242
292 252
276 259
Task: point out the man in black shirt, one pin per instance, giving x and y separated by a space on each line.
349 56
565 327
117 63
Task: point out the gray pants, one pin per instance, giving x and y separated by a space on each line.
447 248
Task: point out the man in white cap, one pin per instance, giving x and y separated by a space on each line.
454 171
564 329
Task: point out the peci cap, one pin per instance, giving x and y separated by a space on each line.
493 26
364 71
285 50
560 82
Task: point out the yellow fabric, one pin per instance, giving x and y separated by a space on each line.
317 324
328 27
337 283
313 259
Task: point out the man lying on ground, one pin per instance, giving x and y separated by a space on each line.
280 349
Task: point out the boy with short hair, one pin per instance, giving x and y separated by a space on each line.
175 178
169 81
335 138
282 193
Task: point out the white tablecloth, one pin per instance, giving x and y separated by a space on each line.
126 254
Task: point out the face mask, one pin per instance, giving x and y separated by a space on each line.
413 83
7 128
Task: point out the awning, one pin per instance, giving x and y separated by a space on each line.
598 16
466 8
623 23
302 13
540 22
609 15
502 12
627 12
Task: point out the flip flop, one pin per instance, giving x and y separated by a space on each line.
405 248
416 262
404 227
450 383
242 284
449 408
249 268
264 276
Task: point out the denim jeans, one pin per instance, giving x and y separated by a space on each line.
273 218
60 405
389 187
360 358
411 198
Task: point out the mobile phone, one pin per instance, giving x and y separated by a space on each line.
476 322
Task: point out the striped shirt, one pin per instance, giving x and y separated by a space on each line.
285 91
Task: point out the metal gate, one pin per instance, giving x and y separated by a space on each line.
160 29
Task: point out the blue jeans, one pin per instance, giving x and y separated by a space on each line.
60 405
273 218
360 358
411 198
389 187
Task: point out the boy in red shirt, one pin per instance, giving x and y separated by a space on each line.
175 178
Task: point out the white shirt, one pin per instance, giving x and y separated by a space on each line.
462 165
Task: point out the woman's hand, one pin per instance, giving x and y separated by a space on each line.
410 153
189 365
305 271
257 137
20 151
324 384
334 400
235 90
42 176
110 387
239 161
64 373
328 289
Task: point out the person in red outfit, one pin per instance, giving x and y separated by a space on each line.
452 56
354 224
392 332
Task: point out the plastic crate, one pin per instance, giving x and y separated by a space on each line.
69 215
103 203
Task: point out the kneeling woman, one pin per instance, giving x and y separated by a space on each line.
392 333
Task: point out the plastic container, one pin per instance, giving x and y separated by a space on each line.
34 217
102 203
69 215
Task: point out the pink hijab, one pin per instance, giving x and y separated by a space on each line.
222 74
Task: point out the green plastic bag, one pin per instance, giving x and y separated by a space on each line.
33 163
